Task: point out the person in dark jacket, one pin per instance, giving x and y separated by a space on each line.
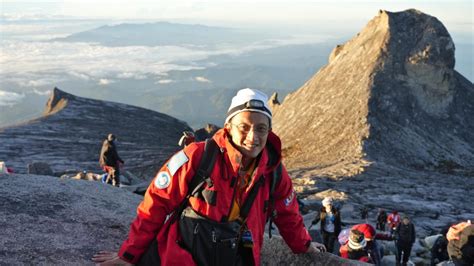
381 219
330 223
405 237
364 213
439 251
109 160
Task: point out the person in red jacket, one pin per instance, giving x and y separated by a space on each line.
393 220
249 153
356 247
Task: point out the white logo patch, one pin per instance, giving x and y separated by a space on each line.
176 162
162 180
290 198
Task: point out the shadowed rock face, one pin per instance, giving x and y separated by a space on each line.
64 222
70 135
390 95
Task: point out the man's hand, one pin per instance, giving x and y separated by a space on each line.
109 258
316 247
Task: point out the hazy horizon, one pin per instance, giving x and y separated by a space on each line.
31 64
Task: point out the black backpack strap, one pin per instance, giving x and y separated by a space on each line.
202 175
273 183
245 209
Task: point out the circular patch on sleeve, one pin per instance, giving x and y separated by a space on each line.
162 180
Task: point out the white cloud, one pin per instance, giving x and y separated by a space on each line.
130 75
164 81
10 98
79 75
104 82
47 92
202 79
43 65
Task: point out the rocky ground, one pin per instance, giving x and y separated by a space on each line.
50 221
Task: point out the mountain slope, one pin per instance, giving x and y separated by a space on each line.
70 133
390 95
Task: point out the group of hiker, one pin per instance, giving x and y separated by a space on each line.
360 241
210 202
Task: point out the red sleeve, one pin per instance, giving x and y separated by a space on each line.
344 252
288 218
165 193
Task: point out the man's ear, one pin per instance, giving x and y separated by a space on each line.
227 127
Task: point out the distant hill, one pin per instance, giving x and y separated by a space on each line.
163 33
70 133
389 95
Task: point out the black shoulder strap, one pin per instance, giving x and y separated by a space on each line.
275 180
273 183
202 175
245 209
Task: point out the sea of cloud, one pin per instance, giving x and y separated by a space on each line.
31 63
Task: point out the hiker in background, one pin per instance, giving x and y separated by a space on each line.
364 213
374 249
110 160
222 219
404 238
330 219
439 250
461 243
381 219
187 138
393 220
356 247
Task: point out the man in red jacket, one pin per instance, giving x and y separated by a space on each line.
248 155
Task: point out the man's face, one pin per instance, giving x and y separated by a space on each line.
406 221
249 132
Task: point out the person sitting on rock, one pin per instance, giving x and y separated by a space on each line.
381 219
221 221
461 243
439 250
405 237
393 220
356 247
110 160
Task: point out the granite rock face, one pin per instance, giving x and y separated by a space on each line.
70 134
390 94
50 221
386 124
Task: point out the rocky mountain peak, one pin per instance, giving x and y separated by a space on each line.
57 101
389 94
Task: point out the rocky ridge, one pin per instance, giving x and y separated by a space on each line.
70 134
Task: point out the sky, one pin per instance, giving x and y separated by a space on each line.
288 12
